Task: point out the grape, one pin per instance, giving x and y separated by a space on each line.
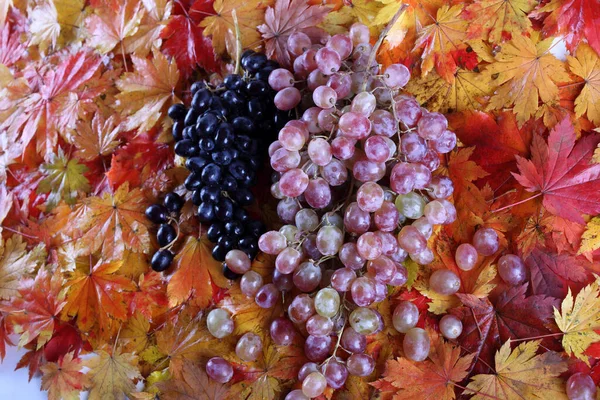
306 220
281 78
369 246
317 348
486 241
411 205
318 193
309 246
283 160
301 308
327 302
511 269
363 103
318 325
287 98
359 33
332 219
306 369
364 320
314 385
283 282
352 341
432 125
581 386
282 331
298 43
296 395
396 76
408 110
451 326
383 123
219 370
423 257
329 240
368 171
435 212
424 226
315 79
416 344
287 209
341 83
250 283
319 151
377 149
248 347
350 257
267 296
389 243
360 365
328 60
445 143
444 281
324 97
405 316
307 277
413 147
411 240
356 220
219 323
237 261
272 242
382 268
289 232
354 125
293 182
386 218
466 256
288 260
370 197
400 277
335 373
341 44
402 178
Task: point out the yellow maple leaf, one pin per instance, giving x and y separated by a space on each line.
55 23
15 262
586 65
135 333
155 18
579 320
147 93
466 91
521 374
496 20
363 11
63 379
112 374
97 137
112 22
65 179
590 240
525 72
250 14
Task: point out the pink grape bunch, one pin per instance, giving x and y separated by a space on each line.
357 194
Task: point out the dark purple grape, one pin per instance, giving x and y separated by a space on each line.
157 213
161 260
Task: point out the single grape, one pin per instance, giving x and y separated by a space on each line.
405 316
237 261
301 308
360 365
466 256
364 320
444 281
315 79
451 326
511 269
350 257
318 325
272 242
486 241
219 370
342 44
267 296
296 395
423 257
248 347
282 331
319 151
408 110
327 302
314 384
219 323
317 348
432 125
306 220
250 283
307 277
411 240
382 269
435 212
298 43
281 78
354 125
329 240
283 282
335 373
370 197
288 260
324 97
369 246
416 344
287 98
306 369
377 149
356 220
396 76
359 33
581 386
424 226
363 103
341 83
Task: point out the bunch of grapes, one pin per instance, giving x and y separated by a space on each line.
357 195
222 135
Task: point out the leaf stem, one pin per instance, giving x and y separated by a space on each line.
517 203
238 42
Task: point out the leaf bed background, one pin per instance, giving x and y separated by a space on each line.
84 149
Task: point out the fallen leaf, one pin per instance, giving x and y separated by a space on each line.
65 179
96 138
112 22
190 381
590 240
15 263
156 15
497 20
552 274
112 374
63 379
586 65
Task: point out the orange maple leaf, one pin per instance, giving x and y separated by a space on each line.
191 381
496 20
96 296
64 379
112 22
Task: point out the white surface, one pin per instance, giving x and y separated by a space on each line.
14 384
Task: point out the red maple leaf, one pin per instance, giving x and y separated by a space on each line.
562 172
512 316
185 42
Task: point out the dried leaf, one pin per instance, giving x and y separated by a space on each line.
112 374
64 380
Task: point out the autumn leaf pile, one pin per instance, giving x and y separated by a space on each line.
85 148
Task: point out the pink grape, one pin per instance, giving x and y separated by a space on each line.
288 260
389 242
435 212
296 395
369 197
317 348
386 218
350 257
445 143
341 83
486 241
424 226
354 125
237 261
444 281
299 67
581 386
407 110
298 43
343 147
363 291
317 325
416 344
413 147
335 373
450 211
411 240
306 369
307 277
382 268
401 275
466 256
328 60
292 138
377 149
267 296
314 385
272 242
293 182
309 246
431 160
402 178
368 171
451 326
359 33
342 279
369 246
248 347
301 308
318 193
383 123
309 60
324 97
287 209
356 220
363 103
283 282
396 76
335 173
431 125
315 79
341 44
287 98
250 283
326 119
319 151
283 160
423 257
422 176
360 365
273 147
440 187
352 341
281 78
310 116
405 316
282 331
511 269
219 370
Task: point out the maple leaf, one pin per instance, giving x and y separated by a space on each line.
363 11
552 274
136 333
113 223
34 314
157 14
112 22
590 240
54 23
587 66
511 316
15 263
219 25
525 72
445 33
573 20
579 320
434 378
560 170
151 298
185 41
64 379
112 374
465 91
96 138
195 270
496 20
39 113
286 18
147 93
191 382
521 374
65 179
97 295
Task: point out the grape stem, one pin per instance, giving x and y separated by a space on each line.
379 41
238 42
